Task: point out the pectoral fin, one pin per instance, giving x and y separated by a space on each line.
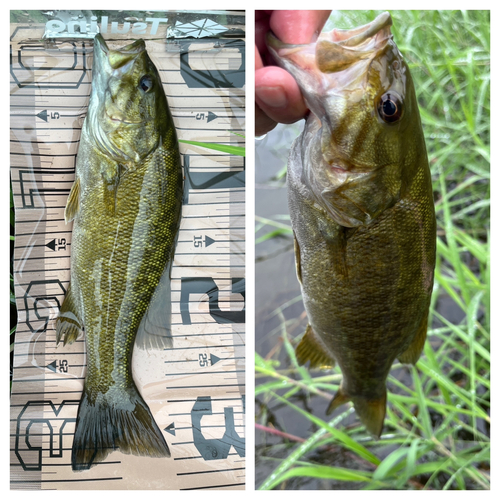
68 323
155 330
311 349
73 203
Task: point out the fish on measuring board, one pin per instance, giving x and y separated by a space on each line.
126 207
362 211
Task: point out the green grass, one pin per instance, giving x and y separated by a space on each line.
436 433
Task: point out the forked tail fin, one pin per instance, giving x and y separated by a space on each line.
371 412
119 419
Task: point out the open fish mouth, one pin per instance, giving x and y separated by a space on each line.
337 49
121 56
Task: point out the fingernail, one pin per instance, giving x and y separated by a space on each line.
274 97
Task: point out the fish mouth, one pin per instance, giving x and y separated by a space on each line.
118 118
335 50
119 57
114 114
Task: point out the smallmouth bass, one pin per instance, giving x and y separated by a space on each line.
361 206
126 207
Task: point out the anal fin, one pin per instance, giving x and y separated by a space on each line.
68 323
311 349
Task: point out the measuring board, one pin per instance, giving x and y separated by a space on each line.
195 390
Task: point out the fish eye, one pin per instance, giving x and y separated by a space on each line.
390 107
146 83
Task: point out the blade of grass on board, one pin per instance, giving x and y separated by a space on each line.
234 150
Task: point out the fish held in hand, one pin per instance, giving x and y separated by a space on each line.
362 211
126 207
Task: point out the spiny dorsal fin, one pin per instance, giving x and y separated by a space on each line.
73 203
311 349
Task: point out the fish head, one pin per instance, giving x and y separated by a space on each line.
128 111
359 91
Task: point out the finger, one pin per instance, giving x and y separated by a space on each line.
258 60
278 95
298 26
263 123
261 28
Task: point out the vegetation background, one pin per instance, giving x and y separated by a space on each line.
437 429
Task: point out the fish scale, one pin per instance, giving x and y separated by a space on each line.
361 207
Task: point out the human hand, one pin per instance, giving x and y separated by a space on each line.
277 95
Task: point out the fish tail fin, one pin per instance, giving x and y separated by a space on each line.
119 419
371 412
411 355
311 349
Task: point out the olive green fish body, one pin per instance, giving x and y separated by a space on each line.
126 206
361 207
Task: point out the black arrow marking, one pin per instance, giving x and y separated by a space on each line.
171 429
208 241
211 116
43 115
213 359
51 245
52 366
